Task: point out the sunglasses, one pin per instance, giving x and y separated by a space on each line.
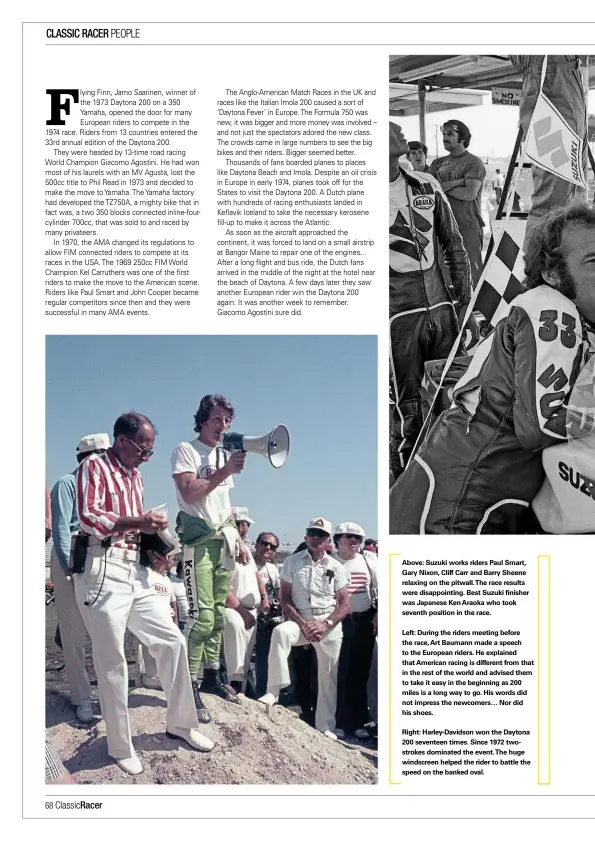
144 452
356 536
316 533
268 545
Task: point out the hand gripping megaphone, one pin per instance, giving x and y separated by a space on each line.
274 445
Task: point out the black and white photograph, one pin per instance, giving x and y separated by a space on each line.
492 299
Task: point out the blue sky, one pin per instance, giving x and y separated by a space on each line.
323 388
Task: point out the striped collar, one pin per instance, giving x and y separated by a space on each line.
116 465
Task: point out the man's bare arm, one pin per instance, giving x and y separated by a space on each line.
193 489
315 629
343 606
287 605
465 189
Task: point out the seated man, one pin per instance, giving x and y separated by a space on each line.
265 547
315 598
481 464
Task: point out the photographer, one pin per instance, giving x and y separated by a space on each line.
266 545
115 591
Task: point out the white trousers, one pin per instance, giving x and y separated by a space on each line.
238 644
72 632
147 665
125 599
284 637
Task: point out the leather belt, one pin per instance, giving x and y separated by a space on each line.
317 611
125 541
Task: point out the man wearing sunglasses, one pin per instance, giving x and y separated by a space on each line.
461 176
64 523
265 548
116 592
314 598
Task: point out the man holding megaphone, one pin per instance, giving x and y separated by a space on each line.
203 473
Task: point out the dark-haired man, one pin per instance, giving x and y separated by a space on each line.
461 176
265 548
64 523
116 592
417 155
203 473
424 319
481 465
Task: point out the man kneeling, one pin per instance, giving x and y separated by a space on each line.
315 598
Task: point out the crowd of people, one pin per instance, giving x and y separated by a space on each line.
478 468
210 615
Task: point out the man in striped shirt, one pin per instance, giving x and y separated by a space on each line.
116 592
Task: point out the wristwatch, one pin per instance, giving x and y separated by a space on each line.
329 623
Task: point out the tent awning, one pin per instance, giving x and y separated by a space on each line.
448 79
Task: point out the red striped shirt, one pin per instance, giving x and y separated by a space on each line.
106 491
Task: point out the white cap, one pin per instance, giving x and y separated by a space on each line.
95 441
320 523
349 528
240 514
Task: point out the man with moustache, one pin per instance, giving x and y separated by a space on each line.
424 318
461 177
116 592
481 465
314 598
203 474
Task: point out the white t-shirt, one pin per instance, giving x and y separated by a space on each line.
270 573
244 584
202 460
313 585
359 579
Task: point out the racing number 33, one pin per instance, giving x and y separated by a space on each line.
552 378
548 332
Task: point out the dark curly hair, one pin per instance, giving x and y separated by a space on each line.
262 534
543 251
130 423
463 132
208 402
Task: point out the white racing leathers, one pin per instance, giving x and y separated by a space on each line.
565 503
480 466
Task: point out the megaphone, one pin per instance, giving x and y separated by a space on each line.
274 445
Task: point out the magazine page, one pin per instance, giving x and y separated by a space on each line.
246 594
